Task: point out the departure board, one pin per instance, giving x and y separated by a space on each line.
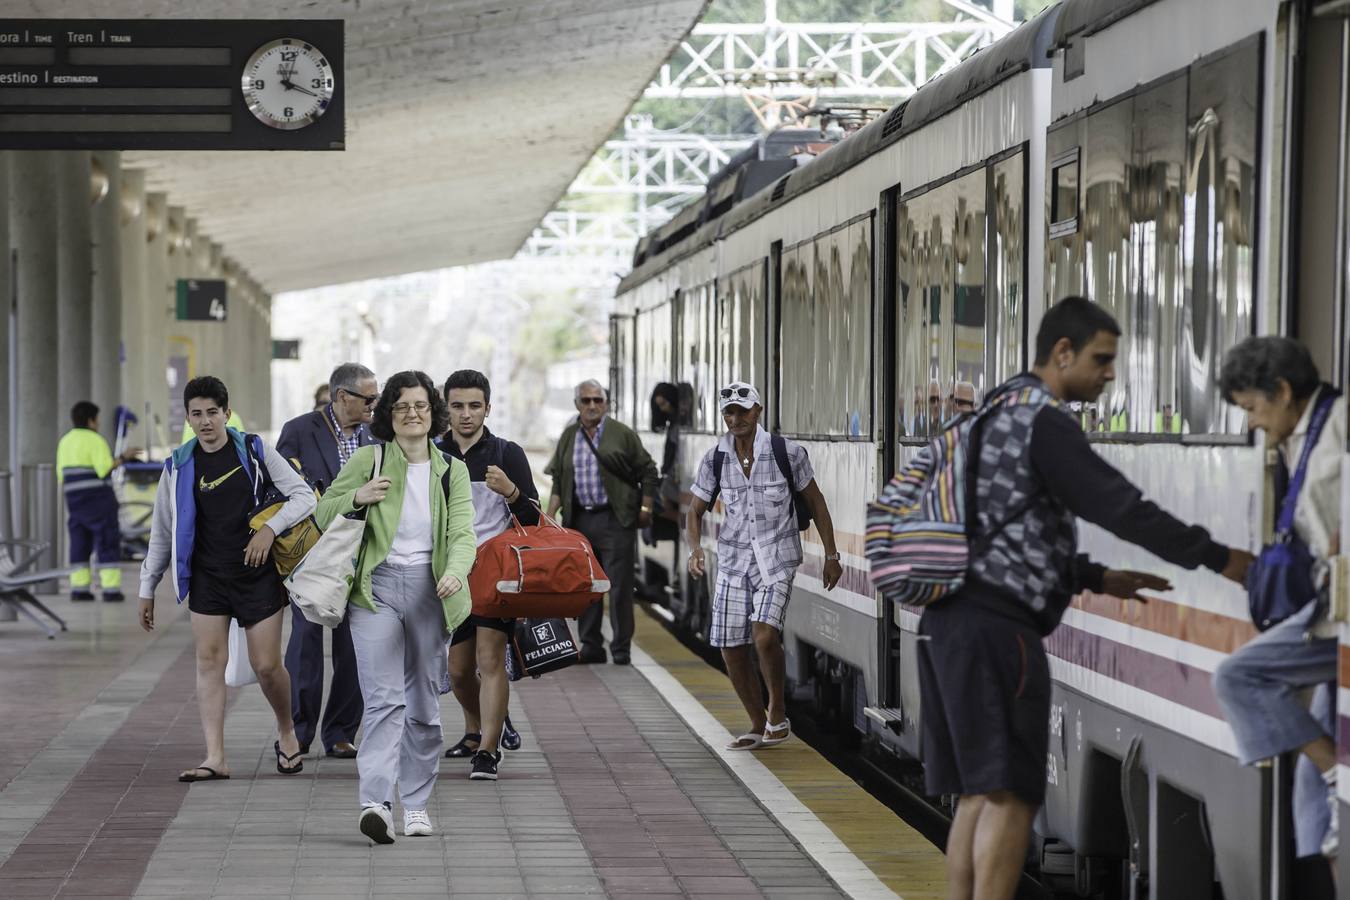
195 84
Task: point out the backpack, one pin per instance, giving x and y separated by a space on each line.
800 508
920 532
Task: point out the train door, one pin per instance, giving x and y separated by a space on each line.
1317 285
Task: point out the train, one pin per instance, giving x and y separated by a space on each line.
1183 163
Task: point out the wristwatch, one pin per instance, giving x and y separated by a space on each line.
832 557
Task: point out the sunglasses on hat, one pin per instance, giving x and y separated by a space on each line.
741 392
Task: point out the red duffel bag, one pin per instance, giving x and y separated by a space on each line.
536 570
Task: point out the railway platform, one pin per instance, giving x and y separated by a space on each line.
621 789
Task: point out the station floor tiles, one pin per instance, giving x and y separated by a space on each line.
618 791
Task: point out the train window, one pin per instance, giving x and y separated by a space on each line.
1007 264
741 351
1219 212
825 334
1064 194
943 319
696 356
1168 182
651 337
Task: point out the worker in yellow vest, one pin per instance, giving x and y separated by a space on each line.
83 463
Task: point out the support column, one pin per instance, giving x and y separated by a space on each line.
6 299
33 232
74 344
132 217
106 320
157 301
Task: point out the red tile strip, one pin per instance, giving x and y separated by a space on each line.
100 834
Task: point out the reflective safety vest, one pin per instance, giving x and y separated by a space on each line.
83 460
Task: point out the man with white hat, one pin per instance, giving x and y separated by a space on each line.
763 480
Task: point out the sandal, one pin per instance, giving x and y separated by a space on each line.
282 757
212 775
784 726
462 750
747 742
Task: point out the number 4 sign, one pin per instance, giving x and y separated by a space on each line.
202 300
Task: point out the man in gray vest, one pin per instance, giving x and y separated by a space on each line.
983 675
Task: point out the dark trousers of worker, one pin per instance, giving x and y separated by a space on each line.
93 526
616 548
304 662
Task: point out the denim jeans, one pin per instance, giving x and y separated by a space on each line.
1260 685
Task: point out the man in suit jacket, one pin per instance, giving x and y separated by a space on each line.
322 441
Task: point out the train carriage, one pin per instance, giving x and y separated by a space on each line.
1181 162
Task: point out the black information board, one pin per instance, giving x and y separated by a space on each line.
285 349
187 84
202 300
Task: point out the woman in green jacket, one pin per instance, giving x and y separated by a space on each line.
411 590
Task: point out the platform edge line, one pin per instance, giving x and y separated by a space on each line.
820 842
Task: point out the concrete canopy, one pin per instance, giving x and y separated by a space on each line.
466 122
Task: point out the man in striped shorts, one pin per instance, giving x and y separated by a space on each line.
761 480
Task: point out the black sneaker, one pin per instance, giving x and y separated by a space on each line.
82 596
485 766
113 597
510 737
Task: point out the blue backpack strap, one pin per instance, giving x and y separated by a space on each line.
1285 523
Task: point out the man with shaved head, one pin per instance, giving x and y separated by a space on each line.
604 481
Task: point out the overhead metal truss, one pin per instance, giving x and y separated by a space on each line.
779 69
875 60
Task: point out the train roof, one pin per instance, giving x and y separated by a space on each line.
1026 47
1085 17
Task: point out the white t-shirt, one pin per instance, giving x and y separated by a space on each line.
412 541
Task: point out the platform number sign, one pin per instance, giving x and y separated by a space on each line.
285 349
202 300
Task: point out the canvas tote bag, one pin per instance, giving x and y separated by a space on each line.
319 585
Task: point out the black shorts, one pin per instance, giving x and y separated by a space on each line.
984 686
250 596
469 627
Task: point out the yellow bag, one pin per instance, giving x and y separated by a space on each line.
292 544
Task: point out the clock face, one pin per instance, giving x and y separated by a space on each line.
287 84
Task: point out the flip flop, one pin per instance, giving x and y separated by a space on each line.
282 757
190 775
462 750
784 726
747 742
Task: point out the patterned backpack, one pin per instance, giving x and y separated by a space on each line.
920 530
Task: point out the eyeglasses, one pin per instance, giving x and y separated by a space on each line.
590 401
368 401
402 409
742 392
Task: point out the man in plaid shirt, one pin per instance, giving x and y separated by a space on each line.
758 552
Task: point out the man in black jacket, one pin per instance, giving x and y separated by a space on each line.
322 441
984 677
503 486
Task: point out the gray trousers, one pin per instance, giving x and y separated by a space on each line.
616 548
400 656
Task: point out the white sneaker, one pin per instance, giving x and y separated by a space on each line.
416 823
377 823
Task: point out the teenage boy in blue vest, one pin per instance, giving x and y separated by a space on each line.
200 535
983 675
